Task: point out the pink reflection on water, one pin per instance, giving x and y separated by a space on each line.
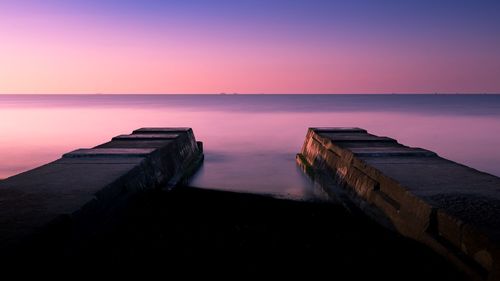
251 151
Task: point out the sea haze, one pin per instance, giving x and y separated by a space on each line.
250 141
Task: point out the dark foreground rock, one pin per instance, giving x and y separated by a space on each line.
192 231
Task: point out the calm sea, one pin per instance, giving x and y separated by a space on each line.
250 140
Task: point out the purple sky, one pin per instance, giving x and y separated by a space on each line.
64 46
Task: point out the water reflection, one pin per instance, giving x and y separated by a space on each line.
250 141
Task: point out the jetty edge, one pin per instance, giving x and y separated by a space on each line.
83 193
453 209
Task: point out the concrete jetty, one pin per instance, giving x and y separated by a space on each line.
452 208
124 206
81 194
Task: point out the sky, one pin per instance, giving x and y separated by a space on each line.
254 46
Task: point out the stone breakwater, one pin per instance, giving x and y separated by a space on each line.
452 208
82 194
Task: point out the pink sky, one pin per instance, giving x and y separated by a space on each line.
46 50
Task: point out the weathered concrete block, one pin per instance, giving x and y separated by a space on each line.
452 208
147 137
109 152
83 193
339 130
152 130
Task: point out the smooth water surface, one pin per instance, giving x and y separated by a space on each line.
250 141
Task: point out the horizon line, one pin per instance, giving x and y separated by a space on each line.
236 93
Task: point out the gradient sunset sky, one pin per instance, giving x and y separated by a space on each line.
254 46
